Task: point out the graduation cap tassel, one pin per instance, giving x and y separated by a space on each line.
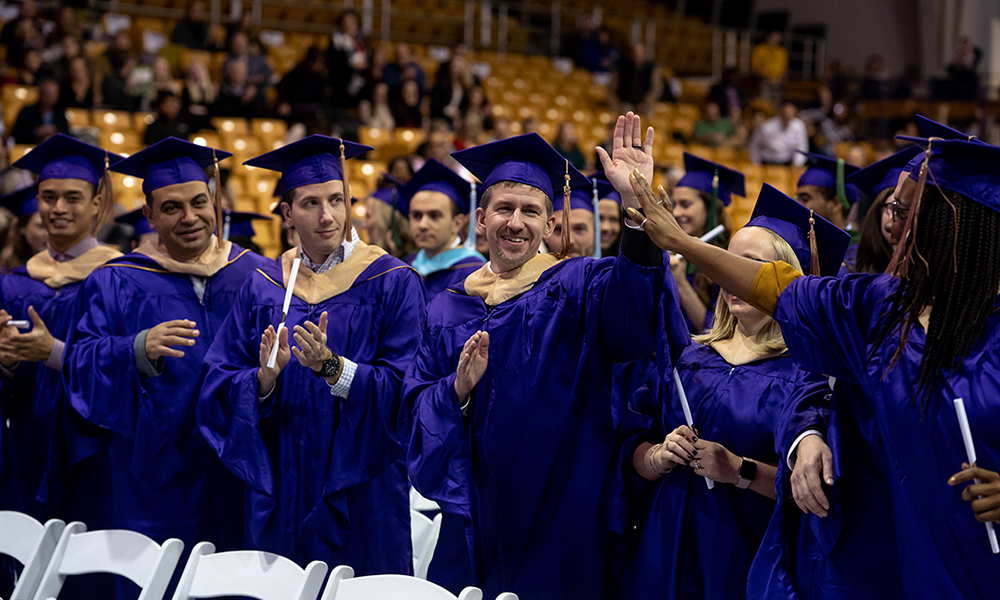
470 238
715 201
347 191
899 266
597 222
217 198
565 216
814 268
841 187
105 195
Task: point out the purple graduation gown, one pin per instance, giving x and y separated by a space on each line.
325 477
165 480
684 540
527 465
943 549
43 438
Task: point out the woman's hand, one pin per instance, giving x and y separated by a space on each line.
659 222
984 496
715 462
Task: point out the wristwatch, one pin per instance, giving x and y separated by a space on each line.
748 471
330 368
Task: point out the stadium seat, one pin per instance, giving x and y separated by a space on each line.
260 575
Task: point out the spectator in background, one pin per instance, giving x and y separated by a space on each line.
501 129
40 121
449 92
163 83
637 82
66 26
121 42
567 144
116 86
476 110
600 55
403 67
238 97
27 11
246 27
713 129
31 69
193 30
346 61
828 124
726 93
302 91
258 73
375 72
377 112
769 62
69 49
741 129
408 111
78 89
529 125
779 139
575 44
27 38
400 169
168 121
199 96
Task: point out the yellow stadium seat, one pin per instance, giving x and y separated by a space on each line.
231 125
78 117
112 119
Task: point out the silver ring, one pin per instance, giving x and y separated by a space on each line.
643 224
697 463
660 202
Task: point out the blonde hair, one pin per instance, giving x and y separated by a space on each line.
768 340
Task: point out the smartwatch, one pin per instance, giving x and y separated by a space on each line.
748 471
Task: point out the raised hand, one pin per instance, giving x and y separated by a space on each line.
813 468
161 339
628 153
472 363
267 376
312 351
659 222
984 496
33 346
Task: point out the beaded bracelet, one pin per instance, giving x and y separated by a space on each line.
651 464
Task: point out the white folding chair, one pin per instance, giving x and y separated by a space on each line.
260 575
344 586
424 534
32 544
117 551
418 502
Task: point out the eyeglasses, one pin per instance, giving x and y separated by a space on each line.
897 210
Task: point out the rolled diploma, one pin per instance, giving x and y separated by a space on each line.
970 451
687 413
284 310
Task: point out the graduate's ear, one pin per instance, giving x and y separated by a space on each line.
458 223
286 212
550 226
481 222
147 211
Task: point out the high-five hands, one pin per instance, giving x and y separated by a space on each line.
657 217
628 153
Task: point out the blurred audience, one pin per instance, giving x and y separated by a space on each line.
40 121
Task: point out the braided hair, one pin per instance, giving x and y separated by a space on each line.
957 271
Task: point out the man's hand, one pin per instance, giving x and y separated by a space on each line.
628 153
312 341
161 339
265 376
33 346
6 358
472 363
813 468
984 496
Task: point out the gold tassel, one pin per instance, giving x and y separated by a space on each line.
565 217
217 198
814 267
347 190
105 198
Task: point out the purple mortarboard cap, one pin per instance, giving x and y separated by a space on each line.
700 175
137 220
22 202
435 177
64 157
313 159
169 162
969 168
822 172
884 174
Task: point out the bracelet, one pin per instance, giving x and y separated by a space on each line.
651 464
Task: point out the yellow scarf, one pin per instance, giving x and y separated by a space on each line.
496 289
55 274
314 288
208 264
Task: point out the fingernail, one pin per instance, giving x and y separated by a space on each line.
951 481
696 438
695 453
829 481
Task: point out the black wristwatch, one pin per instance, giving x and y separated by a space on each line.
330 368
748 471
